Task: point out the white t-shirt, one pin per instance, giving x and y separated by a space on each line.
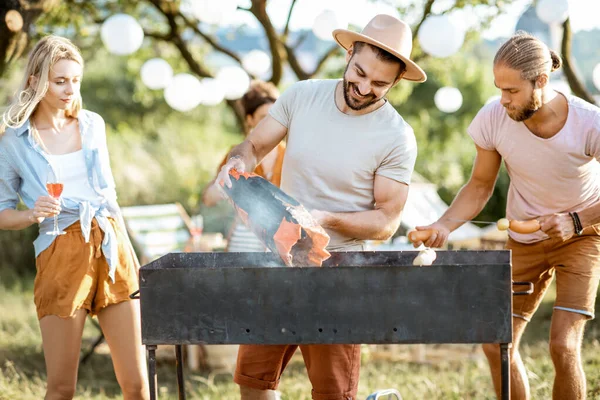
73 174
332 158
547 176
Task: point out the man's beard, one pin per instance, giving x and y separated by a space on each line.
526 112
353 103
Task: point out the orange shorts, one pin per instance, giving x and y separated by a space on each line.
73 274
333 369
576 264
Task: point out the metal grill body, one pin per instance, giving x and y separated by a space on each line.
356 297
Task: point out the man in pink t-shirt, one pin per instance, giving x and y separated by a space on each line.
550 143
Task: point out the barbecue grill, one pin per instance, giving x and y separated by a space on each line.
356 297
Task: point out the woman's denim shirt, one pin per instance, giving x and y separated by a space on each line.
24 168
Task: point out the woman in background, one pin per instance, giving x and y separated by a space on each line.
256 104
53 156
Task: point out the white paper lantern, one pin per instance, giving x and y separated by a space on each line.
256 62
213 92
440 37
326 22
235 81
552 11
361 12
596 76
212 12
121 34
156 73
184 92
448 99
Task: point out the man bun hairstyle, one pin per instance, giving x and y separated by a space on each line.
528 54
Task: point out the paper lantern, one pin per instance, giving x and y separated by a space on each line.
440 37
156 73
326 22
212 12
213 92
596 76
235 81
256 62
360 13
184 92
448 99
552 11
121 34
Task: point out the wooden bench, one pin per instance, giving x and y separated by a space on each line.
156 230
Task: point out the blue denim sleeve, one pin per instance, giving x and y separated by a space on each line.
10 182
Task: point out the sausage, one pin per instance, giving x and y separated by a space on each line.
420 236
530 226
514 225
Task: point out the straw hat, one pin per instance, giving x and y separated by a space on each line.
387 33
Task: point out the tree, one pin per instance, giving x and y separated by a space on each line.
573 79
166 22
17 18
170 22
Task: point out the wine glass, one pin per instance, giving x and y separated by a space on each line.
55 189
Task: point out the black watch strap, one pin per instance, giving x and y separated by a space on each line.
576 223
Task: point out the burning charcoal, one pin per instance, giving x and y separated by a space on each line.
278 220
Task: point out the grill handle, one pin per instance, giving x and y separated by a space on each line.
135 295
528 291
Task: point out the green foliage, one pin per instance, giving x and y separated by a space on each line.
446 152
17 258
158 155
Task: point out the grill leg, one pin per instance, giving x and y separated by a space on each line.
505 370
180 381
152 371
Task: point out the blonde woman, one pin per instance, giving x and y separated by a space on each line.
46 137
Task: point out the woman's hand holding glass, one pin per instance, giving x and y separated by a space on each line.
45 207
55 187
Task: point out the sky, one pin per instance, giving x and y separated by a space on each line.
584 14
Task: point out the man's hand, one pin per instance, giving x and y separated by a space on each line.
557 226
437 239
235 162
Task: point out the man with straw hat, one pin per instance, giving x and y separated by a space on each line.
349 159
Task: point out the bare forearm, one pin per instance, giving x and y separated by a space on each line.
363 225
14 220
590 216
211 195
467 204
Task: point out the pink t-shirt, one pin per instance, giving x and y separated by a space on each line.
547 176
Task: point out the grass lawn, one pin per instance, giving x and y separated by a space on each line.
459 374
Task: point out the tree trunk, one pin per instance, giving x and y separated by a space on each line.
575 83
14 39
